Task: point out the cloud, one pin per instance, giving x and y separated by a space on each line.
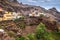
32 1
35 1
49 0
45 0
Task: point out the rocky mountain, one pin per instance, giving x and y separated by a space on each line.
25 9
55 13
17 28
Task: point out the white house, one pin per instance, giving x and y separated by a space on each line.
14 15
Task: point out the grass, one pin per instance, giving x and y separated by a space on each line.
56 35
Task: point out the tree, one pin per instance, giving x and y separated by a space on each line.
40 30
41 15
20 38
41 33
31 36
48 36
22 25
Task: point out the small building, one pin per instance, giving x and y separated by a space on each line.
19 15
16 15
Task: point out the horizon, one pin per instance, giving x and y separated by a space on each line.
47 4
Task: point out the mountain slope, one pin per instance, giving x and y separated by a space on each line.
18 28
55 13
25 9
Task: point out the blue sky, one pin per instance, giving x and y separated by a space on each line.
43 3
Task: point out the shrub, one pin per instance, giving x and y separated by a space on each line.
20 38
0 26
17 19
22 18
11 33
40 30
48 36
41 15
31 37
41 33
22 25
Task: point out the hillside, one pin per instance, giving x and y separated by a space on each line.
29 28
25 9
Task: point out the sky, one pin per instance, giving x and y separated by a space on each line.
47 4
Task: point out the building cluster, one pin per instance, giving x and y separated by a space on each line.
13 15
36 14
9 15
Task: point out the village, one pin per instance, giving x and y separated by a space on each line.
16 15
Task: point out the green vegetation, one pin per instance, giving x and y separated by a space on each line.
0 26
40 30
11 33
15 20
41 15
22 18
22 25
31 37
20 38
41 34
18 19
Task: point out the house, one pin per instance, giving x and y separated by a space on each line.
17 15
14 15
